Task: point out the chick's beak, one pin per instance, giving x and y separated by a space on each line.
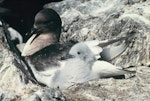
68 56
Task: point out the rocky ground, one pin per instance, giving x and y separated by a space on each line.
86 20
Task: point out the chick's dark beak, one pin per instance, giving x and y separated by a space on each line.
68 56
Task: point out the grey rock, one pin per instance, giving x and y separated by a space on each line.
33 98
86 20
47 94
6 96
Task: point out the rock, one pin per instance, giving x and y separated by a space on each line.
86 20
5 96
47 94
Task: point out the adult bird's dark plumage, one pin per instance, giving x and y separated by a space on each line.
47 30
43 45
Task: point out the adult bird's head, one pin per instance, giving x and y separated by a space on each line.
47 20
46 31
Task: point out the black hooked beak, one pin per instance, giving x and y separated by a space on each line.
34 31
68 56
31 32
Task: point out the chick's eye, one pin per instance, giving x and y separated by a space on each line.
78 52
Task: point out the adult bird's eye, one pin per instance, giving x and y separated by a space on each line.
78 52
